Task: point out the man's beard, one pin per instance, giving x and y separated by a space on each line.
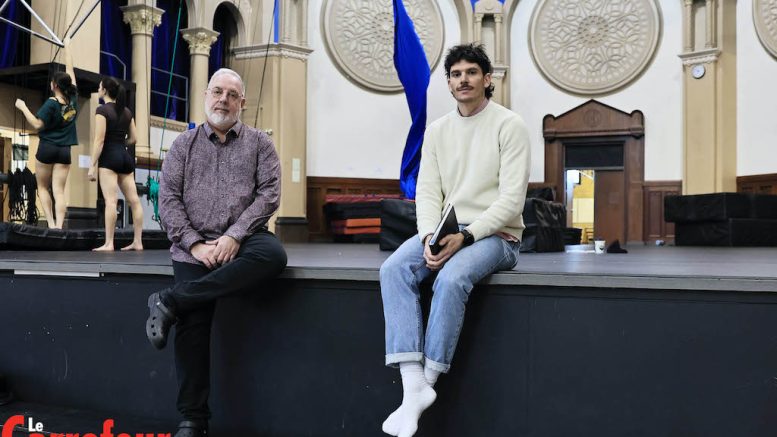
221 120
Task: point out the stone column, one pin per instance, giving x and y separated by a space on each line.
142 18
281 111
710 96
478 35
200 40
498 37
687 26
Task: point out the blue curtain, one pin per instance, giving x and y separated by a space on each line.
414 73
216 59
276 19
115 38
162 57
475 1
14 43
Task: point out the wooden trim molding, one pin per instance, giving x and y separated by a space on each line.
758 184
319 187
655 227
595 123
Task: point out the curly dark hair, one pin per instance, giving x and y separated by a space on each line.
475 53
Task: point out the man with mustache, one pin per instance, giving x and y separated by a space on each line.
477 158
220 184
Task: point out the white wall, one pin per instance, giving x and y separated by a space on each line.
657 93
756 97
357 133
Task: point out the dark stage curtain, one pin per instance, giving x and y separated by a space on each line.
161 58
14 43
115 38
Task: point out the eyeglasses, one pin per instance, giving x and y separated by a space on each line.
218 92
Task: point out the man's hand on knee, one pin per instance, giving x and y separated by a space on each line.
224 249
204 253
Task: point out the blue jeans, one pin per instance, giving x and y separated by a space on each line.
400 276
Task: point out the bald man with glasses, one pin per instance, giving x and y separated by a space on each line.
220 184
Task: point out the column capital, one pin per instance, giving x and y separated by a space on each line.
479 17
200 39
498 18
142 18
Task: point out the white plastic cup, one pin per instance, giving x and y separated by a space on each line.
599 246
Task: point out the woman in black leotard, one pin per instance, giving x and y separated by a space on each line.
114 129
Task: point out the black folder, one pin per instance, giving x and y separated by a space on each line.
448 225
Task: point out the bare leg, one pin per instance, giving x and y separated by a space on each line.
127 185
108 185
58 181
43 179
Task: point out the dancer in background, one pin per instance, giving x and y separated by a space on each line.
114 130
56 125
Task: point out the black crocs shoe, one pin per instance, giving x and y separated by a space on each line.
160 320
188 428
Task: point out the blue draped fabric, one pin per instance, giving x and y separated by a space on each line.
216 59
115 38
9 35
475 1
276 20
414 73
161 58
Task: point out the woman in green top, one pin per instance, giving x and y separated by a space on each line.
56 125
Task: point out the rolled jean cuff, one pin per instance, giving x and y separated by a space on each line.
393 360
434 365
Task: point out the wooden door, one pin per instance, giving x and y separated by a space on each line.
610 205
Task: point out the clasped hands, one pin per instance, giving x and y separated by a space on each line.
215 253
450 245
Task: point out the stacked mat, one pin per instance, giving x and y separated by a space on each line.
16 236
355 218
723 219
545 225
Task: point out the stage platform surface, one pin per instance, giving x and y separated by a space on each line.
660 342
644 267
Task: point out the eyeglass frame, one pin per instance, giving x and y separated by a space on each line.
217 92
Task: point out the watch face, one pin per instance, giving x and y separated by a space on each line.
698 71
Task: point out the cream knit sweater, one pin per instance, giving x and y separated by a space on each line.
481 165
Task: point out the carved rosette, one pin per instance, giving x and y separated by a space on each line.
142 18
765 17
200 40
359 36
593 47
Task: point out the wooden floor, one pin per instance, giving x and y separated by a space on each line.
644 267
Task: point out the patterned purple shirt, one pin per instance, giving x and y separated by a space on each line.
209 189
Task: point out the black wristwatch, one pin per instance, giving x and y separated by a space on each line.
468 237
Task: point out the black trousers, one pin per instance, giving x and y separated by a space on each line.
193 298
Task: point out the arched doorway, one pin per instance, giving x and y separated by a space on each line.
609 145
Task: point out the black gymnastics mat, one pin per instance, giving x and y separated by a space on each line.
16 236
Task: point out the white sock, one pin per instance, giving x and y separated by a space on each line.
417 396
431 375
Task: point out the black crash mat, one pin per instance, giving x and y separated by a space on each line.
397 222
538 239
544 213
731 232
15 236
763 206
152 239
706 207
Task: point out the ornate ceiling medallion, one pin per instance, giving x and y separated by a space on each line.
359 36
765 17
593 47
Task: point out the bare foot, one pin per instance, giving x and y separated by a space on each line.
104 248
134 246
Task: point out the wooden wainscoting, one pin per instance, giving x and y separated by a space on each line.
320 187
758 184
654 192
